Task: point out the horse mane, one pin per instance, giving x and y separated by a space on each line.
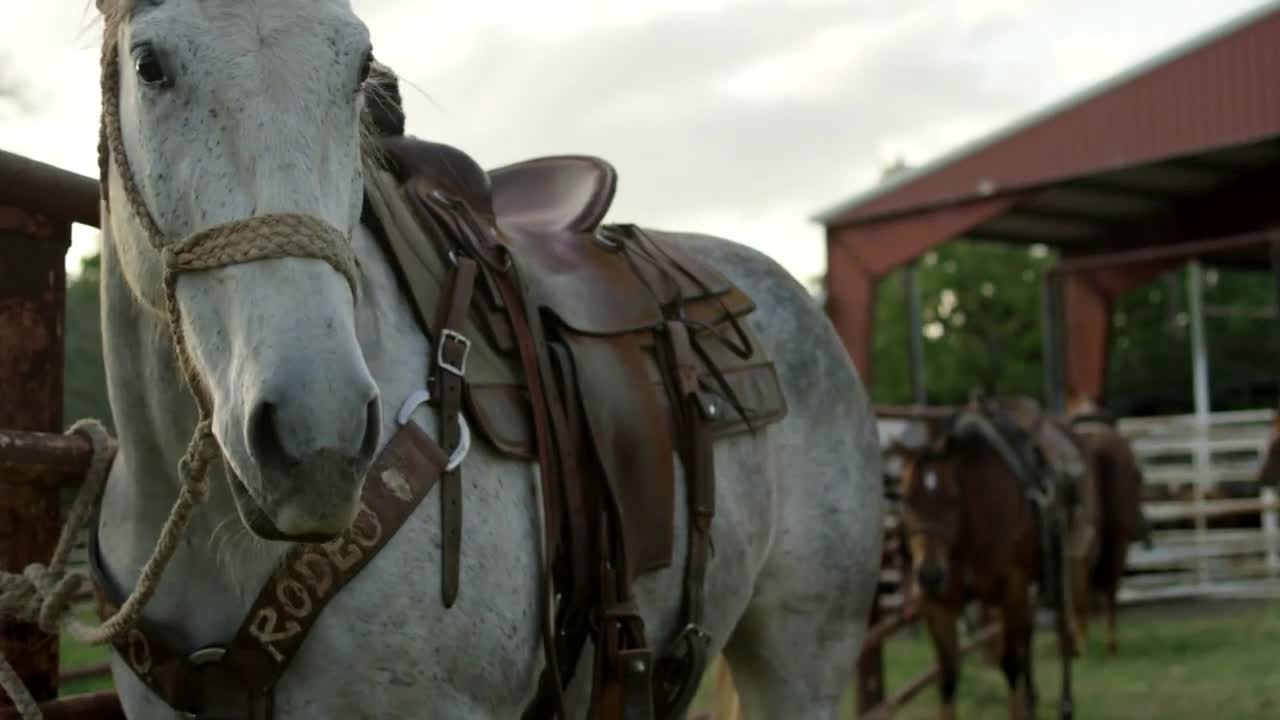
384 108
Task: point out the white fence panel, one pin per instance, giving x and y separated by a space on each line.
1217 530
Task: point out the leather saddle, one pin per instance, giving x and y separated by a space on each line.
606 352
1056 462
553 195
1055 446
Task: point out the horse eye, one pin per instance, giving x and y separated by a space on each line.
366 67
148 67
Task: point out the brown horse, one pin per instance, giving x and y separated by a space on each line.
1270 473
977 533
1121 522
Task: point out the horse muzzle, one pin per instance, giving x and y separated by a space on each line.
932 578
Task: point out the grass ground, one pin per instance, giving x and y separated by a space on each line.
1205 660
1177 662
1216 660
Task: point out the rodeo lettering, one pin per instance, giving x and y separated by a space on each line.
308 578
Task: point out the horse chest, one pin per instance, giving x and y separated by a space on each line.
389 647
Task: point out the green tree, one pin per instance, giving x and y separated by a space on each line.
980 312
84 379
982 318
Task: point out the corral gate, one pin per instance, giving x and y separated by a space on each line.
38 205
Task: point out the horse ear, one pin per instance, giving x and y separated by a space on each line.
896 452
383 104
942 444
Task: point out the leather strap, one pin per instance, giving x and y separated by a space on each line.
235 681
550 701
448 372
687 656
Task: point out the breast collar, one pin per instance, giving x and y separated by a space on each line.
235 680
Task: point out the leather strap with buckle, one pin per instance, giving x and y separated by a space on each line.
452 348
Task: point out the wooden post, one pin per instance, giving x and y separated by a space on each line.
870 670
1271 529
1200 386
870 686
32 324
915 318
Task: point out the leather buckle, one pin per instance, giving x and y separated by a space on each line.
693 632
684 667
459 369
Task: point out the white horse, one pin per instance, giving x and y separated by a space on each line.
233 108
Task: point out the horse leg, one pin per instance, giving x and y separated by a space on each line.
1109 597
1080 604
942 631
1029 650
1016 651
791 664
991 648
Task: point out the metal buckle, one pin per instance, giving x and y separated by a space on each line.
411 404
695 632
207 655
211 655
605 239
445 335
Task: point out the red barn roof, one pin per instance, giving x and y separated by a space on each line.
1183 147
1182 123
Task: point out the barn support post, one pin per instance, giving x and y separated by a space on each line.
859 256
1051 340
851 305
32 324
915 320
1275 269
1200 386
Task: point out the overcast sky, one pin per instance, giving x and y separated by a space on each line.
737 117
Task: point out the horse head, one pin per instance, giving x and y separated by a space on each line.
930 494
232 172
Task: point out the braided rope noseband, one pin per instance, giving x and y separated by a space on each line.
43 594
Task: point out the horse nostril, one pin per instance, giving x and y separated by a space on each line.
372 431
264 436
931 577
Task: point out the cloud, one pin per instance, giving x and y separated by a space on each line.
735 117
746 114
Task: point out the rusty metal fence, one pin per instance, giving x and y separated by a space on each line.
38 205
